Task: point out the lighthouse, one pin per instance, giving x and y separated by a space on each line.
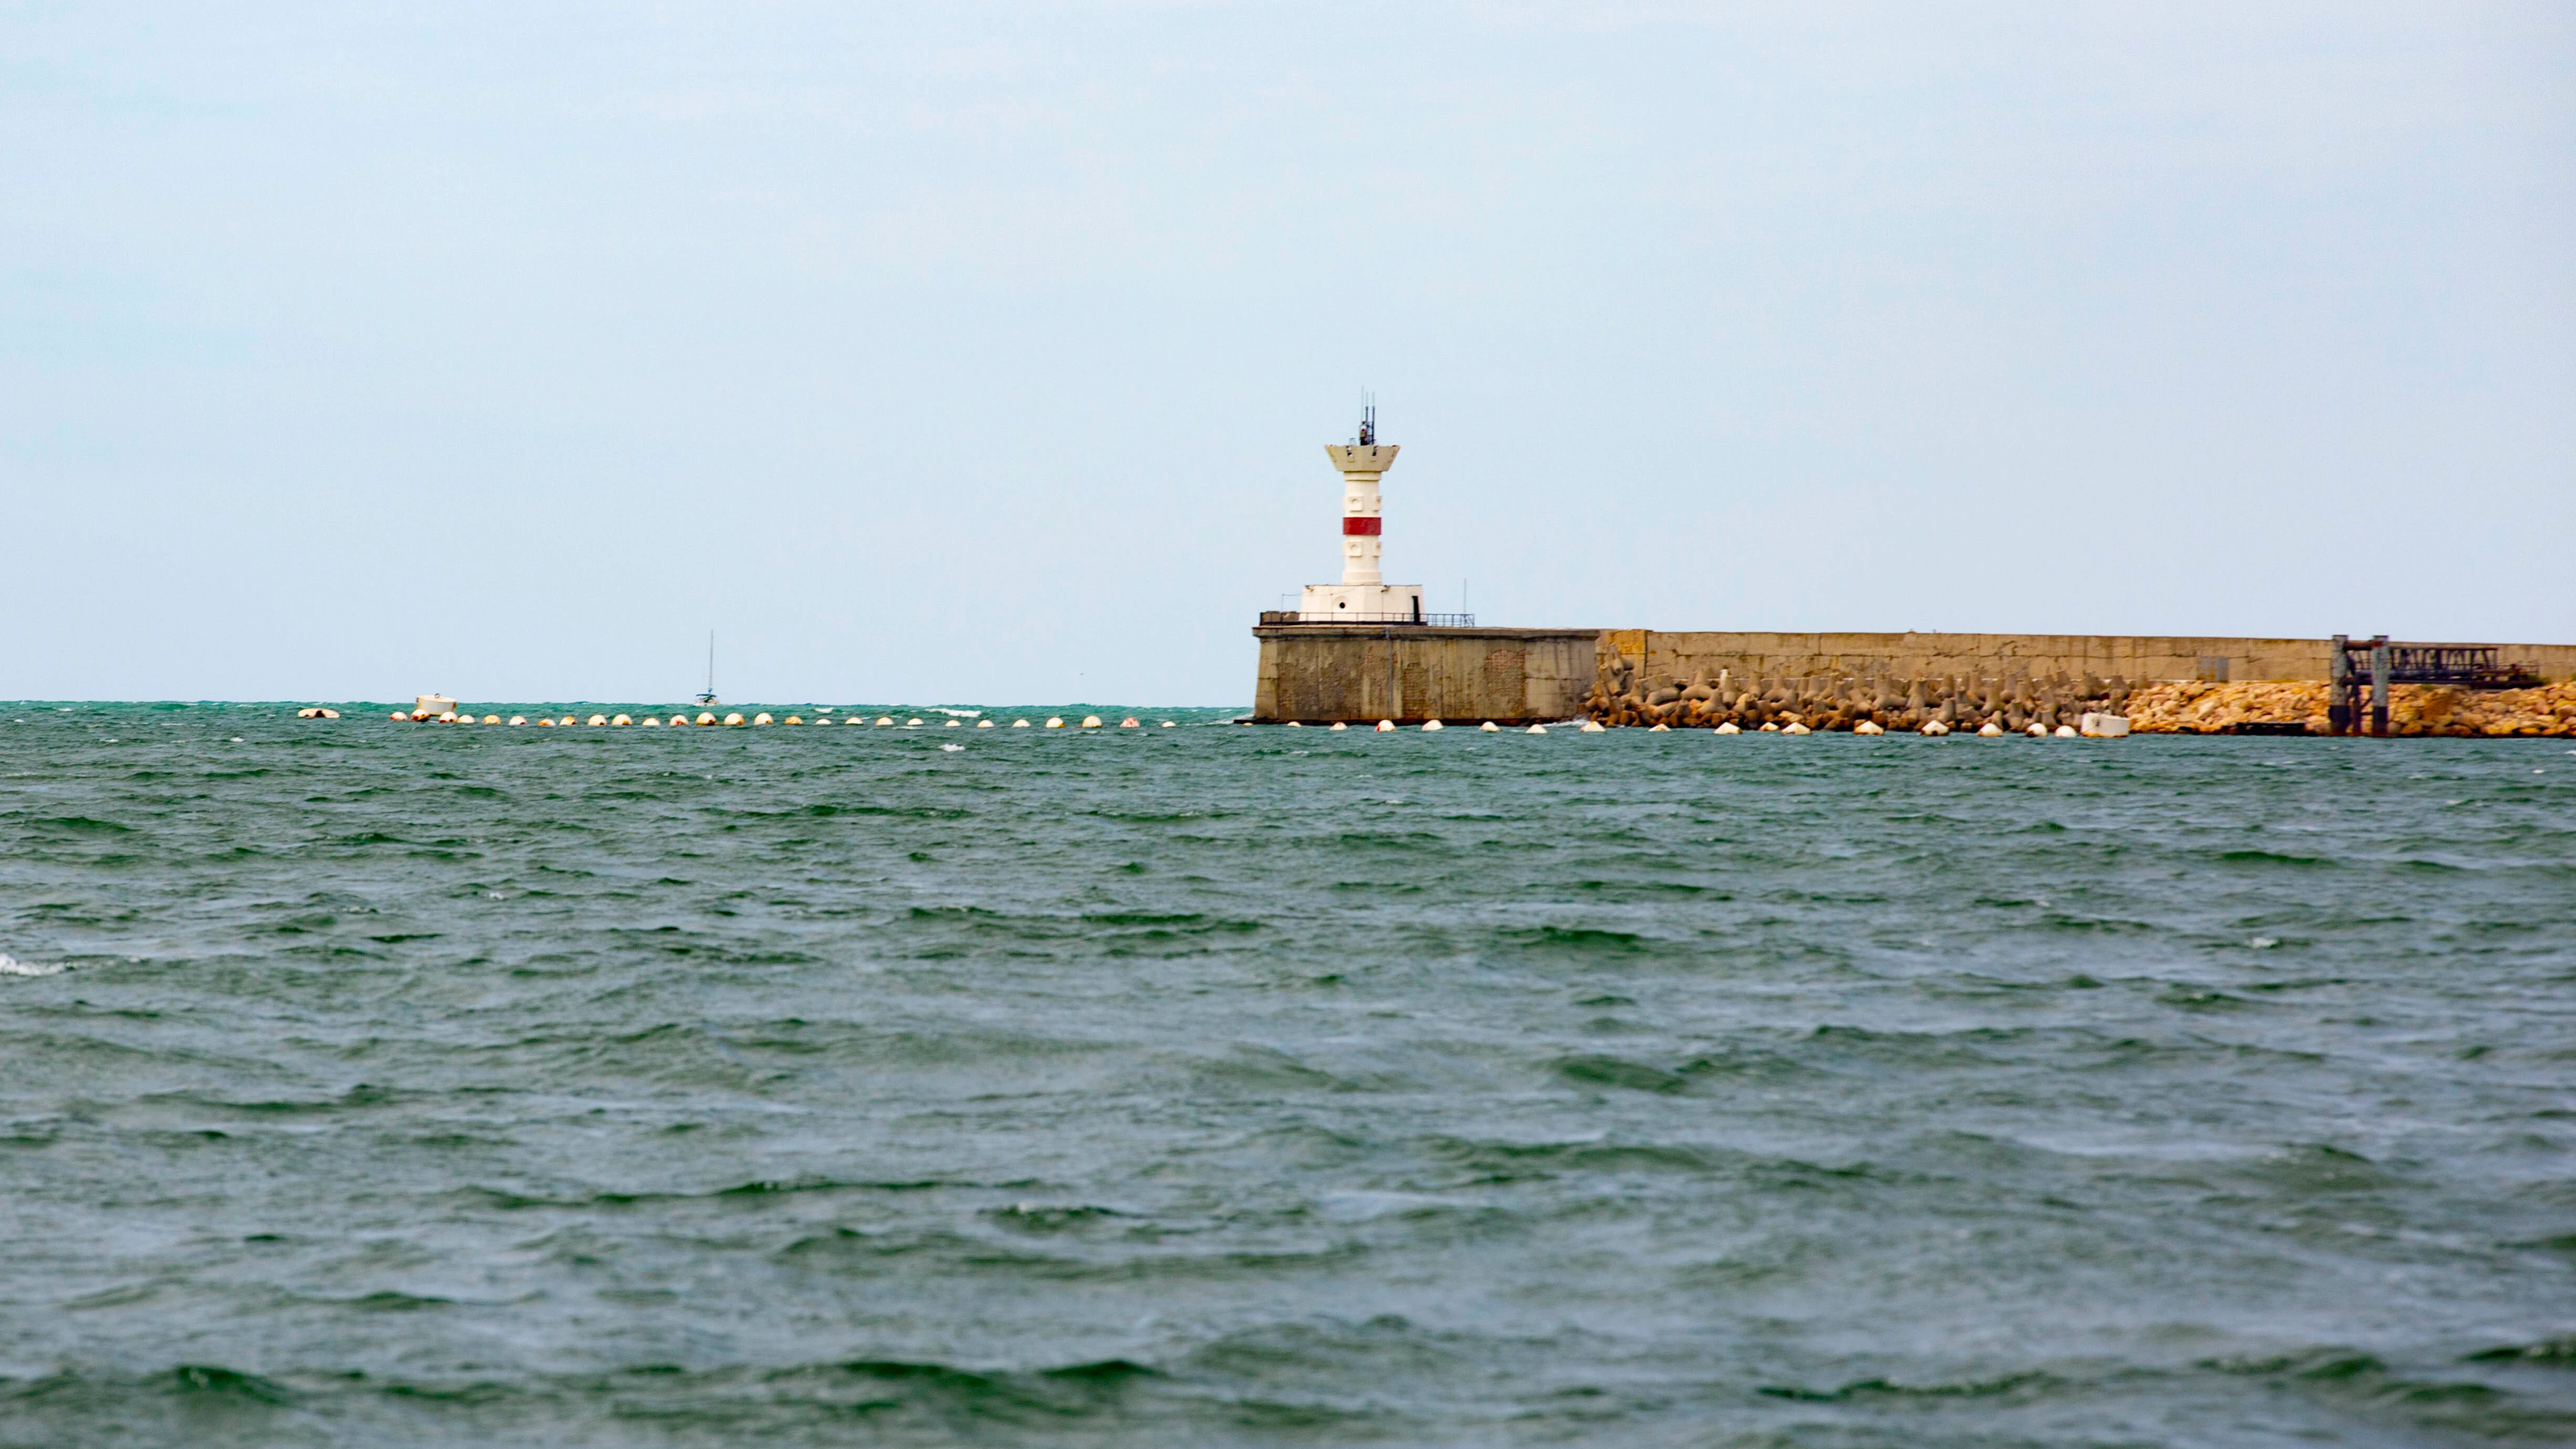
1363 596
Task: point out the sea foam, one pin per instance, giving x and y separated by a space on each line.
12 966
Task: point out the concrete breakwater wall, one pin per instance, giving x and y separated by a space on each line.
1410 673
2139 658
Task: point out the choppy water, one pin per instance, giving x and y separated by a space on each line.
421 1085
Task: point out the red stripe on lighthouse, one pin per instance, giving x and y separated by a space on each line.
1360 525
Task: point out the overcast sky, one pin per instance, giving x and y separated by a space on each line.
965 353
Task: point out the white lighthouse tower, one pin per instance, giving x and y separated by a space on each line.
1363 596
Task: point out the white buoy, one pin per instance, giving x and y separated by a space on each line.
761 718
885 719
491 719
1538 729
1129 723
1019 724
1167 724
448 717
1869 727
916 719
1295 725
733 719
1770 727
1490 728
652 721
620 720
800 719
330 714
679 719
544 723
2037 730
983 724
2066 732
1386 727
1091 721
1055 722
518 719
956 724
1660 728
1432 724
1595 727
1728 728
1991 730
1339 725
705 718
1797 729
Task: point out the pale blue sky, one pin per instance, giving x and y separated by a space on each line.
986 353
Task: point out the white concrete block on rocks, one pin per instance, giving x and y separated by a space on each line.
2105 726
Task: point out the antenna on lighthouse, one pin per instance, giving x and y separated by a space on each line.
1368 419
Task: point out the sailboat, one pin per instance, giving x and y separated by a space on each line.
709 697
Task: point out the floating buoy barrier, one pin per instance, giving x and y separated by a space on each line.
620 720
800 719
704 718
491 719
983 724
1091 721
1295 725
1661 729
1991 730
1770 727
1055 722
518 719
916 719
762 718
1868 727
1432 724
1386 727
2037 730
1019 724
544 723
598 719
1491 728
447 717
679 719
1538 729
1935 727
1594 727
1728 728
1337 724
956 724
2066 732
733 719
652 721
1129 723
1797 729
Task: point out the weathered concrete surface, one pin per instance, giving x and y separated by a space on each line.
2135 657
1322 672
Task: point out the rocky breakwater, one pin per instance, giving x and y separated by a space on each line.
1621 695
2188 707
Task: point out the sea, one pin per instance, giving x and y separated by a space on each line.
384 1084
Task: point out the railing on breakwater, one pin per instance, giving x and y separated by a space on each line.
1344 616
